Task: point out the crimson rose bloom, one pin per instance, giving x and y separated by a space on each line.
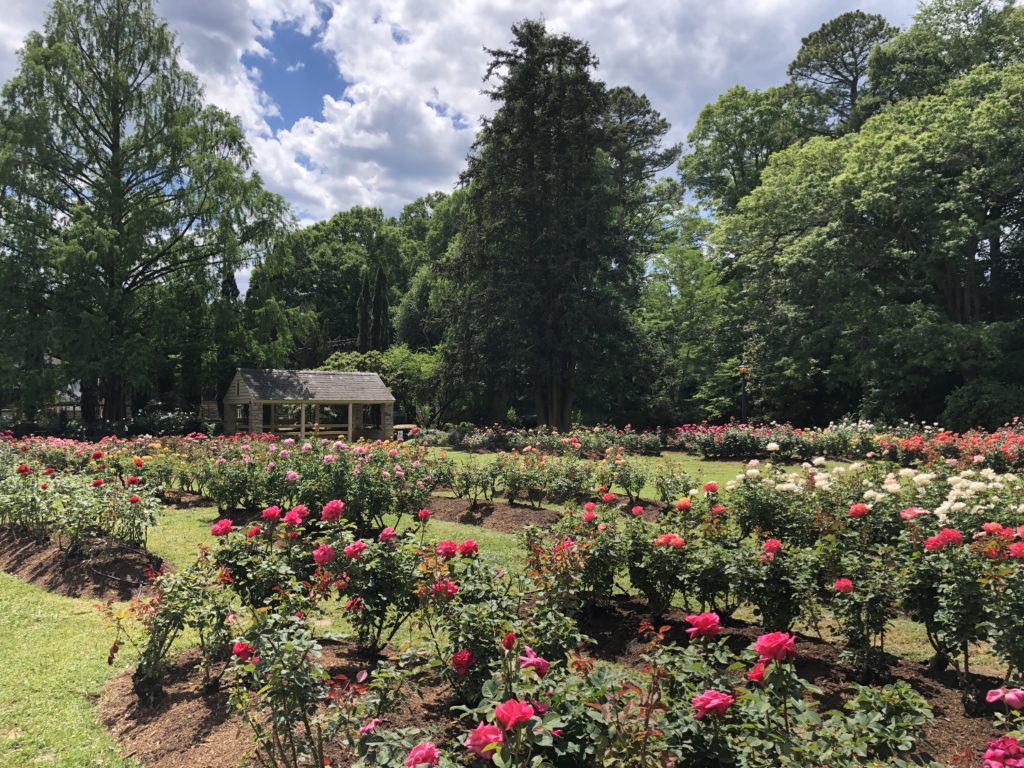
221 528
589 506
509 641
462 661
423 515
134 499
512 713
684 505
756 673
272 513
711 487
637 510
772 547
589 516
468 548
608 497
715 703
483 740
775 646
704 624
843 585
242 650
425 753
97 482
133 480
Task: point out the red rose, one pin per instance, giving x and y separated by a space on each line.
242 650
221 528
509 641
423 515
756 673
323 554
859 509
462 661
332 510
684 505
468 548
134 499
446 550
711 487
843 585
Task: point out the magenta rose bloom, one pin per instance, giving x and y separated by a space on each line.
221 527
704 624
843 585
323 554
532 661
332 510
462 661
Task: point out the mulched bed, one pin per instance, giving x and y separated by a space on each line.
496 515
954 739
178 499
191 727
101 570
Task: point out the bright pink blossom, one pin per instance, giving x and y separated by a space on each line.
512 713
775 646
484 740
425 753
712 702
333 509
843 585
704 624
532 661
221 528
355 549
323 554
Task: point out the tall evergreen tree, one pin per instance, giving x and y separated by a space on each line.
116 180
551 253
363 313
380 328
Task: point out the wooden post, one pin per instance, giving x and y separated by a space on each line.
350 422
316 419
302 421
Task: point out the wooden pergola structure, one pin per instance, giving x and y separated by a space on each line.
300 403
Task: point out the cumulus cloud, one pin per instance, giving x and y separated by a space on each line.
413 72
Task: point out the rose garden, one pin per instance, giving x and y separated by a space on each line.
297 604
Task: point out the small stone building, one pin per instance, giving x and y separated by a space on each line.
300 403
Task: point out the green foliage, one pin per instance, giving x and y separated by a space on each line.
412 376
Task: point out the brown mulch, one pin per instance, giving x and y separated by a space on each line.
101 570
191 726
496 515
955 738
178 499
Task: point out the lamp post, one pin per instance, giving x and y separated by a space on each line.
743 392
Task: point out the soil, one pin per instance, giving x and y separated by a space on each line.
102 570
191 726
496 515
177 499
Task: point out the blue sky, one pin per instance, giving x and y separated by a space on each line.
376 102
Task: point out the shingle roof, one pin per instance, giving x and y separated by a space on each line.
276 384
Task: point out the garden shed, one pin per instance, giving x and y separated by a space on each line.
298 403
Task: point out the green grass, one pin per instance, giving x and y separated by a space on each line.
52 665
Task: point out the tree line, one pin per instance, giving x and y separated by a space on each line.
845 243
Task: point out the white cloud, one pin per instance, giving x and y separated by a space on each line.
382 143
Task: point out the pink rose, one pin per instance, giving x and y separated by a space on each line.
355 549
711 487
221 528
468 548
775 646
446 550
423 515
271 513
370 727
323 554
704 625
512 713
772 547
333 509
293 518
484 740
425 753
757 672
715 703
386 535
532 661
637 510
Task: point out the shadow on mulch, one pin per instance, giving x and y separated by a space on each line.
955 738
495 515
178 499
104 570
